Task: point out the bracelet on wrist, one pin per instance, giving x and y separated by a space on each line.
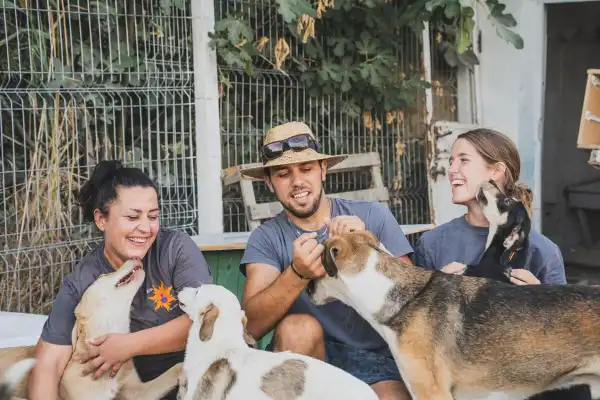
296 272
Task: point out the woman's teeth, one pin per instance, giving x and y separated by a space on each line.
458 182
138 240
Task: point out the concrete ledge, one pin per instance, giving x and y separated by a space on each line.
238 240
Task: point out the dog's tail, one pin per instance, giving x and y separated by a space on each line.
13 375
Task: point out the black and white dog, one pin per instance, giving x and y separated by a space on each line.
508 236
506 249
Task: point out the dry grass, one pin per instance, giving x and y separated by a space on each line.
40 212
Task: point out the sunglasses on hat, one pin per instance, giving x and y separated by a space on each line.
297 143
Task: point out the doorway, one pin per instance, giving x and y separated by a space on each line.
572 47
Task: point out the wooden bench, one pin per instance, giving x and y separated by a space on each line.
256 213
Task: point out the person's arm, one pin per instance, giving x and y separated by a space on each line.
268 295
54 348
51 362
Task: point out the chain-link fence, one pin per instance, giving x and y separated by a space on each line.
251 105
82 81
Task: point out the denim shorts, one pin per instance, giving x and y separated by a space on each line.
368 366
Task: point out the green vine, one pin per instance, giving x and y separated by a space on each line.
352 48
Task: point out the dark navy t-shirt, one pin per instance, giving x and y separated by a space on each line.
173 262
272 244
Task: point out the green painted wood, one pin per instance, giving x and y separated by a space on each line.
224 266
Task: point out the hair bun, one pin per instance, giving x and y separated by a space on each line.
103 171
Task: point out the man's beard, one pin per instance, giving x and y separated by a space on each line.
307 214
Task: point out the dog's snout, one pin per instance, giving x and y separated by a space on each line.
310 288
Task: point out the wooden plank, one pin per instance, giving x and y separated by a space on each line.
269 210
249 200
226 242
230 175
221 241
233 174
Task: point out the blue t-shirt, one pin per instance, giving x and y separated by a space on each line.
461 242
272 244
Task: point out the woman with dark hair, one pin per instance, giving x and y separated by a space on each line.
123 204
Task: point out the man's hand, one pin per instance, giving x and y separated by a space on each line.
107 352
344 224
307 256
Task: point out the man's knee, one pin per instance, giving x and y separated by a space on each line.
300 333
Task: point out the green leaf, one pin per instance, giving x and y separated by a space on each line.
8 4
290 10
237 30
514 38
452 11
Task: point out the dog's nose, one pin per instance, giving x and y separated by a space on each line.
310 288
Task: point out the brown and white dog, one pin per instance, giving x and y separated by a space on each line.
461 337
219 364
104 308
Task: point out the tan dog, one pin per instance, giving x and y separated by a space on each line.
103 309
460 337
219 364
12 376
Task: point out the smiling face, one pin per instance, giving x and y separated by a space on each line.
131 224
299 187
468 170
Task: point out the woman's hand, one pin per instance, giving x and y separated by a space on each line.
523 277
454 268
107 352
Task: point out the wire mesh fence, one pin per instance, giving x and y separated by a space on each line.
80 82
83 81
249 106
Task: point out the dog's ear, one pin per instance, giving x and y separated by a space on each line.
247 337
328 260
208 316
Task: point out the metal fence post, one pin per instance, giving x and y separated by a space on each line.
208 136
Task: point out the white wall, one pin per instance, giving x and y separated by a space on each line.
511 87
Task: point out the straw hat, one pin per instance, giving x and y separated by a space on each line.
285 131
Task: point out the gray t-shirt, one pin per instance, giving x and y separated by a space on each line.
173 262
272 244
461 242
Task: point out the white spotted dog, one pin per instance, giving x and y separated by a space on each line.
12 376
219 364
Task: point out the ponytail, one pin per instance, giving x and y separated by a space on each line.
522 193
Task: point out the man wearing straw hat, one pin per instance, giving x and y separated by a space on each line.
283 255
